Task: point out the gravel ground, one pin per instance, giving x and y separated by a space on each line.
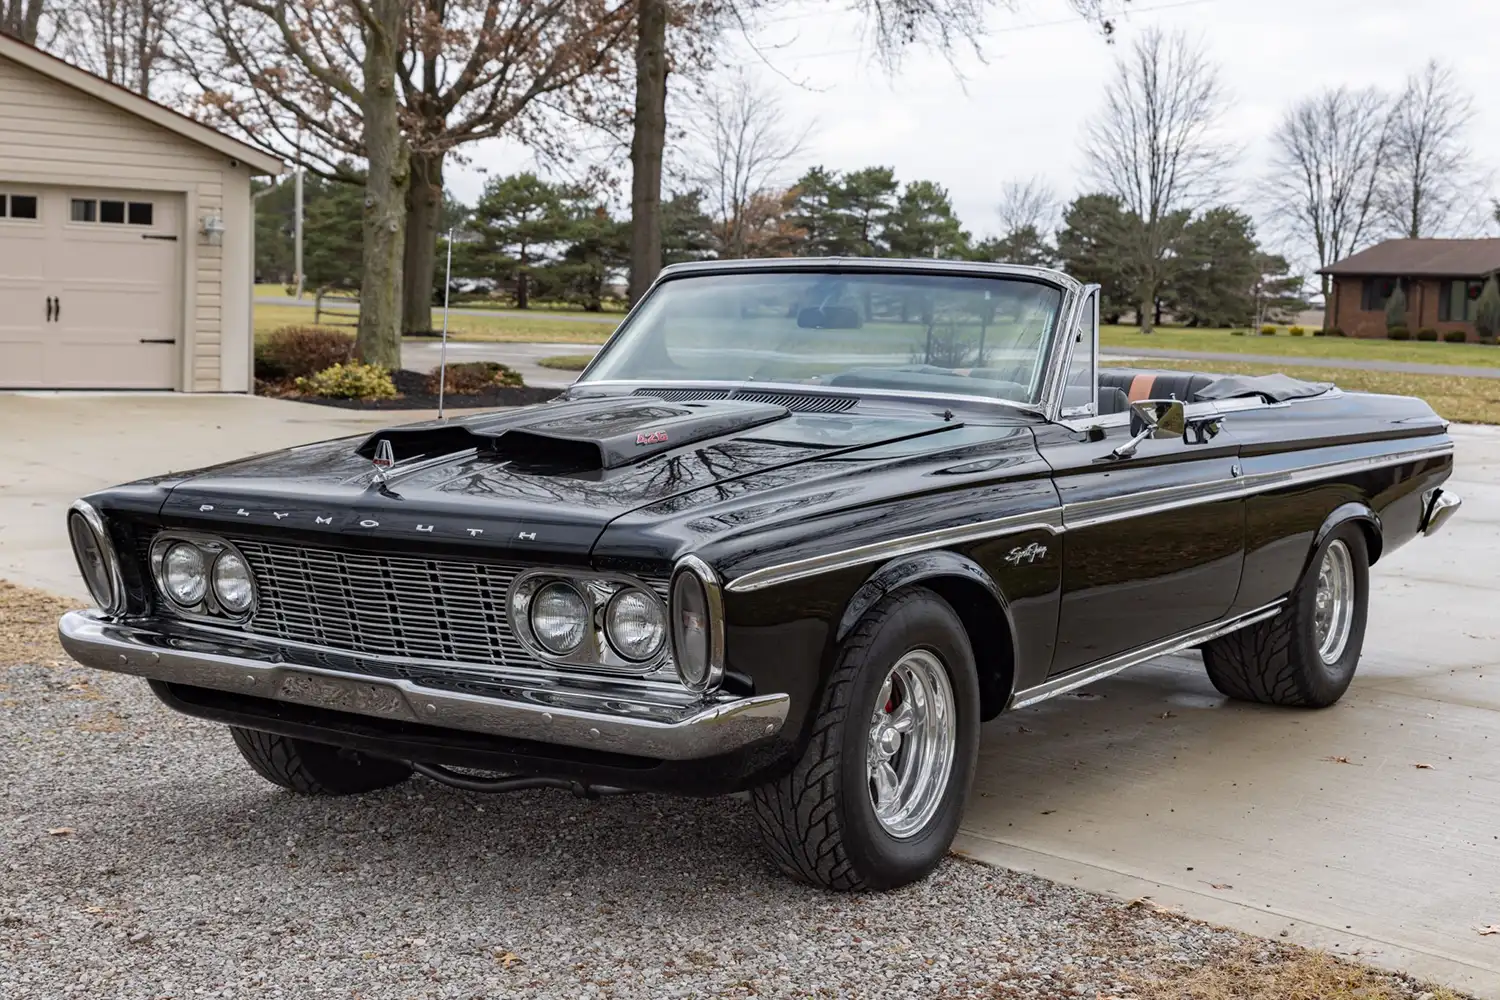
140 858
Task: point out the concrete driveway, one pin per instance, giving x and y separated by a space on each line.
55 447
1150 784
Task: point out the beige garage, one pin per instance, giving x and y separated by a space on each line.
126 237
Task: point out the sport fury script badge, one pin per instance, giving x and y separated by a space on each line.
655 437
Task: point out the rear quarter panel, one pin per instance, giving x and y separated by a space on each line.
1380 452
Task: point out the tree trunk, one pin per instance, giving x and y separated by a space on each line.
20 19
379 338
648 144
424 212
1144 313
523 287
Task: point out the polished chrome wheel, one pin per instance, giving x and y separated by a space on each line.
913 732
1333 612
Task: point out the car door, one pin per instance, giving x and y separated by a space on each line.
1153 543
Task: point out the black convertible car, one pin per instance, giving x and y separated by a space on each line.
801 527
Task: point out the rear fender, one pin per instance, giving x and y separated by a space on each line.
1354 511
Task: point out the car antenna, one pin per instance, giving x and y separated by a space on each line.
443 357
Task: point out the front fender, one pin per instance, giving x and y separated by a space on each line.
975 597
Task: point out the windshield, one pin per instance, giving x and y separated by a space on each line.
954 334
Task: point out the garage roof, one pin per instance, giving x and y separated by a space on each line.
125 100
1423 258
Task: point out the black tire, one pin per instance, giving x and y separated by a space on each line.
310 768
1276 662
818 823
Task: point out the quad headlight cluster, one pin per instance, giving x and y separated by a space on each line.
587 619
201 574
617 622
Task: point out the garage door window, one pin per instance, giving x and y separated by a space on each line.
17 206
111 212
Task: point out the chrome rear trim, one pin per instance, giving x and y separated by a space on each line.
1438 506
593 715
1104 668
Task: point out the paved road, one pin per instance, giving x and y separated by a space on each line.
1359 364
612 319
423 355
1147 784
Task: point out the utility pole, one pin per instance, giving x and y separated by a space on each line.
297 210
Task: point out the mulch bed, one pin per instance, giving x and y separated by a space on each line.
412 387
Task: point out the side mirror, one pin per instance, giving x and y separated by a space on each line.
1163 418
1156 419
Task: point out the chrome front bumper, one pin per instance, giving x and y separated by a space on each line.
588 713
1439 505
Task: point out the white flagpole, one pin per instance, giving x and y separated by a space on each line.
443 363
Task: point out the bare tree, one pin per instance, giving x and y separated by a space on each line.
328 68
21 19
893 26
743 146
1027 204
1156 147
290 75
124 41
1330 153
1427 178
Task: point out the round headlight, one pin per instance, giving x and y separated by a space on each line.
692 639
635 624
559 618
183 574
89 552
233 586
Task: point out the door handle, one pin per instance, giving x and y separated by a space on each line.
49 309
56 308
158 340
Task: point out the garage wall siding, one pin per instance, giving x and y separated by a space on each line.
53 134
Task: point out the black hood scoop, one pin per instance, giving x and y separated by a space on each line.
582 436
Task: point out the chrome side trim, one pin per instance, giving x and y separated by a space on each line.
1106 668
1072 516
1048 520
1438 506
594 716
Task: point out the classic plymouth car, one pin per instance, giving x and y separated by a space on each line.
799 530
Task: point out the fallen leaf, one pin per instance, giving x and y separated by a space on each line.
1422 767
1217 885
61 831
1489 929
508 959
1048 812
1024 729
1167 715
1337 760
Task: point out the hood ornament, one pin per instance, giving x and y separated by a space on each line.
385 457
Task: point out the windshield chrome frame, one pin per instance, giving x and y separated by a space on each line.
1056 355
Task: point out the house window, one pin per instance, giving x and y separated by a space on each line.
17 206
112 212
1458 300
1377 292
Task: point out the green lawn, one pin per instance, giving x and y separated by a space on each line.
1470 400
567 362
500 328
1308 346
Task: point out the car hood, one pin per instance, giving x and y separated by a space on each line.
544 479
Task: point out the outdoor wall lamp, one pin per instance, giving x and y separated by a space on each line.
212 229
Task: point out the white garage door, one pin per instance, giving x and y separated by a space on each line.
90 288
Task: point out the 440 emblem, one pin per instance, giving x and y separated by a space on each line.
655 437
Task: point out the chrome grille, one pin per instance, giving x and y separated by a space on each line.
366 603
797 402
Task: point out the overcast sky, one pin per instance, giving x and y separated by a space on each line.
1020 110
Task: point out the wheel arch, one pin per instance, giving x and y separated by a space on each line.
973 595
1353 512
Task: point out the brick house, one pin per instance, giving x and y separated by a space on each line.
1442 280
